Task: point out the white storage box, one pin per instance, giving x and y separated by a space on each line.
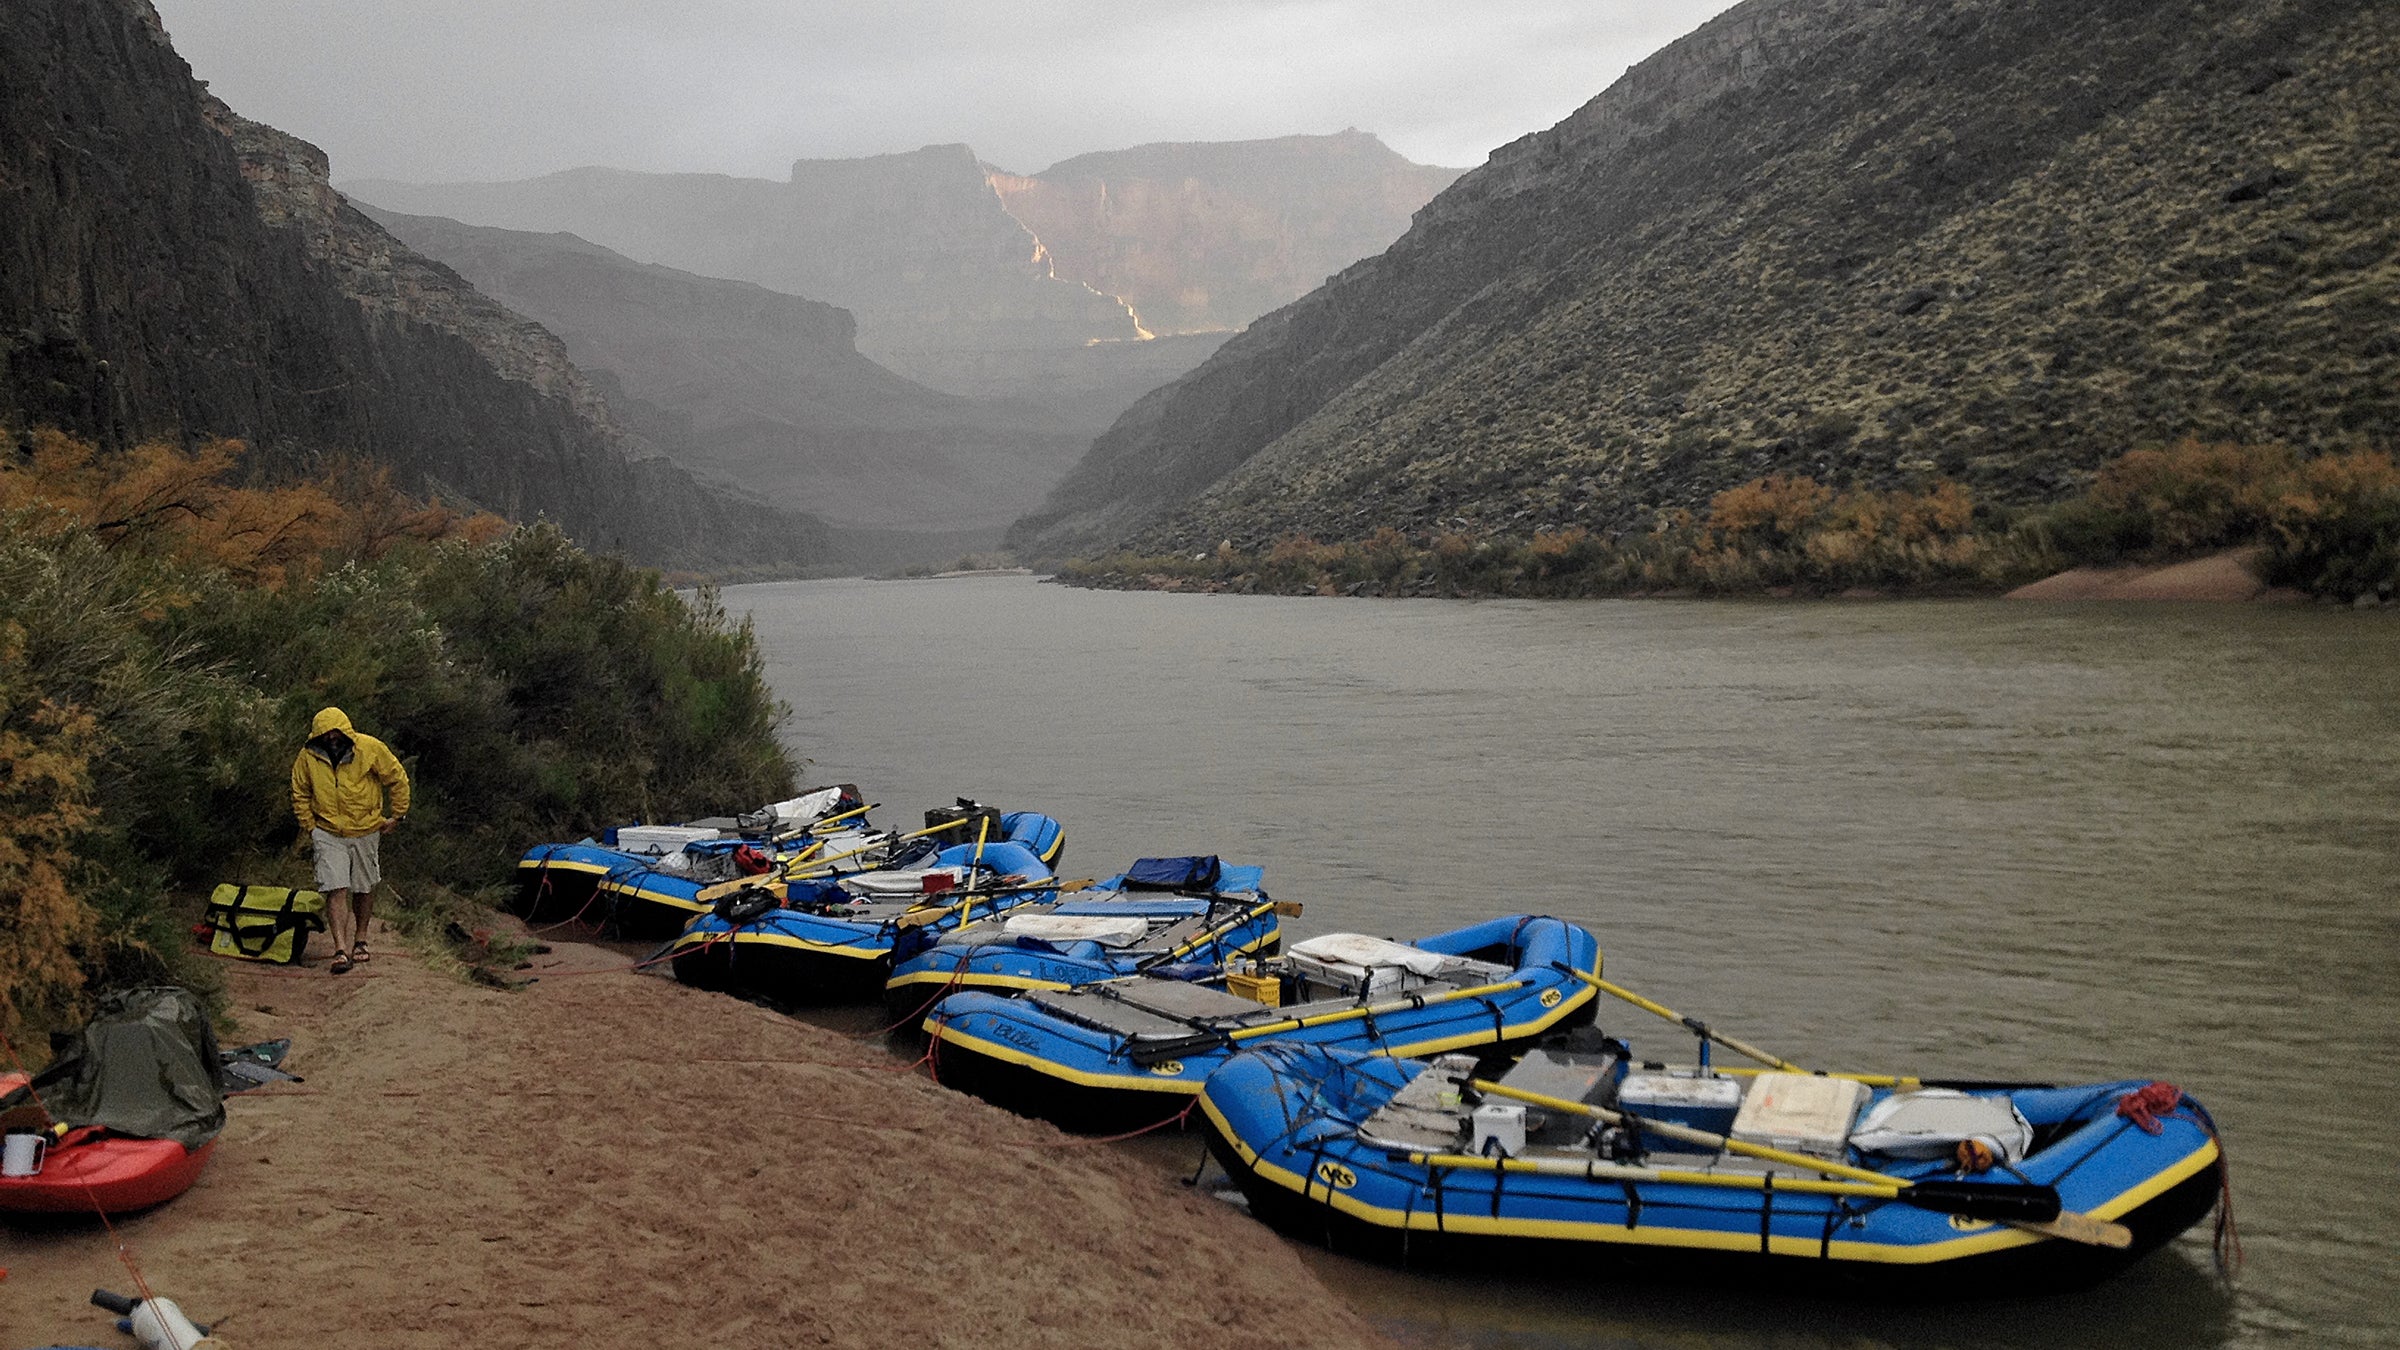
1800 1113
660 838
1351 963
1499 1128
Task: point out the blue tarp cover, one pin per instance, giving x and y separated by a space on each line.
1173 874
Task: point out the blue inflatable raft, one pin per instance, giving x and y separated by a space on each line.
1184 912
835 939
1135 1051
1815 1179
657 902
556 882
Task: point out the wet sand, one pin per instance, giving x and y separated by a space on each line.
2228 576
611 1160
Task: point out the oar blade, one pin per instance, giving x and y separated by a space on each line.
2083 1228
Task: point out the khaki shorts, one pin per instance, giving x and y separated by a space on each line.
348 864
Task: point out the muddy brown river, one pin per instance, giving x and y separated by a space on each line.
1975 839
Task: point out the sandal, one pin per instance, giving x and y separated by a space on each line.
341 963
358 952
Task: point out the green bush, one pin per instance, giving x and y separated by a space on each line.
158 682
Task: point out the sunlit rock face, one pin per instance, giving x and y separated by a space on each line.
1998 241
951 266
916 245
1205 237
169 269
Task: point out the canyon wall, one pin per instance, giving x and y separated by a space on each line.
168 269
1999 241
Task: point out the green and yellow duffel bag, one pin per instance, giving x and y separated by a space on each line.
263 923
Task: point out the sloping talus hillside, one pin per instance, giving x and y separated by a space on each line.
168 268
766 390
1999 240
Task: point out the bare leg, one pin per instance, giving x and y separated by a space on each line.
363 904
342 919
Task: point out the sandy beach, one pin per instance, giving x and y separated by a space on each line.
608 1159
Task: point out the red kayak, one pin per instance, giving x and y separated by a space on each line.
93 1169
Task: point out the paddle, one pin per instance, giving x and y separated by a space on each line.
918 916
1146 1053
2036 1208
789 870
1216 931
1691 1024
797 830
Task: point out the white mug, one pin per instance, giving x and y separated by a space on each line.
23 1153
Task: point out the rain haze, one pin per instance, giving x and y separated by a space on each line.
464 89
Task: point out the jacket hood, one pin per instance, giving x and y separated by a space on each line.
329 719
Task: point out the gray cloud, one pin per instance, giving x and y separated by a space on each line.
440 89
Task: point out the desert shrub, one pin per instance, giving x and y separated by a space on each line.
166 636
2335 528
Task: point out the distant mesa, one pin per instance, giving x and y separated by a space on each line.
977 281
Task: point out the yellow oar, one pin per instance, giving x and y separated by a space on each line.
1150 1052
2066 1223
1691 1024
710 893
829 820
918 916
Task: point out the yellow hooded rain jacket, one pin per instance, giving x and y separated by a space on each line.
347 798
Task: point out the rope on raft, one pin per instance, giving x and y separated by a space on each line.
2147 1107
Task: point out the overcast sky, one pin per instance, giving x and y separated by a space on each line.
484 89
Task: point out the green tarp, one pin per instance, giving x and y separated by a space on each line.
145 1066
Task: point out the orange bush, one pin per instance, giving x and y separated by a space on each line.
1774 505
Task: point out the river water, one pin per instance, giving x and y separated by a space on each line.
1974 839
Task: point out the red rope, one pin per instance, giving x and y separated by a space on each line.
124 1249
1177 1119
2150 1107
576 917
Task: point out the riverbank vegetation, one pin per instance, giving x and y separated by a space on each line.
166 634
2328 526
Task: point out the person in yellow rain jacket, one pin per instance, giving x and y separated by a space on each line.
348 790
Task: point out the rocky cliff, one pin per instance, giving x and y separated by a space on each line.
170 269
916 245
1999 240
951 266
767 390
1205 237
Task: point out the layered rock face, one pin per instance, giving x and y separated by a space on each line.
916 245
1205 237
767 390
950 266
1998 240
173 270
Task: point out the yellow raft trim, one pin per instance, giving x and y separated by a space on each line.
690 940
1146 1081
563 865
1996 1238
683 902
